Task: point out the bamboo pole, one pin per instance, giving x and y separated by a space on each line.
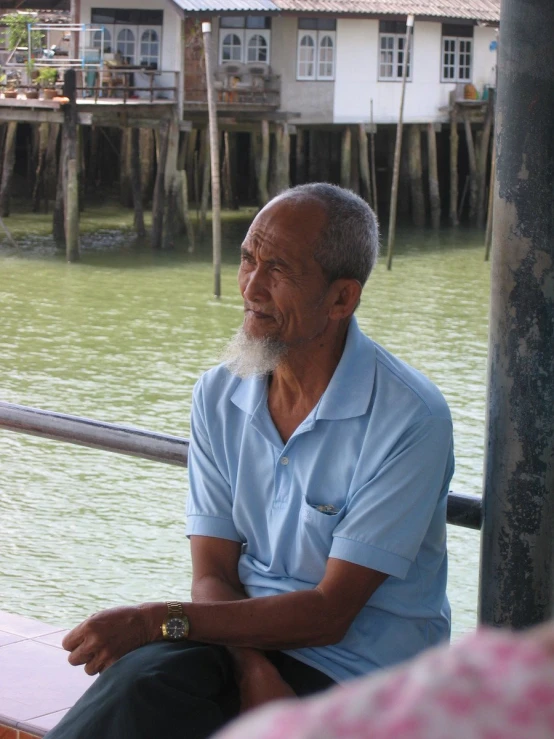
373 165
434 192
214 157
398 146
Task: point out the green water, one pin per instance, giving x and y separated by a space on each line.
122 337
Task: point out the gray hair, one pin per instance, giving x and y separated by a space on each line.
348 246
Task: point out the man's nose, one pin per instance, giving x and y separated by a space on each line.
254 284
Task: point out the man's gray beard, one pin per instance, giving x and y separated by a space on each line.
246 356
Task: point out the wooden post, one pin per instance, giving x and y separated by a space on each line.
488 234
264 164
300 173
70 170
204 163
58 219
227 184
313 161
171 227
186 216
483 161
346 158
214 149
398 145
454 164
136 183
158 201
7 169
373 165
146 150
416 179
473 184
41 158
434 193
72 212
364 163
283 157
125 172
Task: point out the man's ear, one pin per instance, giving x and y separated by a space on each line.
346 296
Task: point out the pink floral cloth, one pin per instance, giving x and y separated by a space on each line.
490 685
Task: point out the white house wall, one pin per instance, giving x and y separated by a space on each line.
357 69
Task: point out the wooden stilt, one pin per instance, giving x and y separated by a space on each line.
136 183
346 158
227 187
147 168
364 163
172 190
454 142
159 190
483 161
58 220
354 162
125 190
263 181
313 160
373 164
233 170
434 193
325 143
416 178
300 173
186 215
70 171
41 158
205 164
488 234
183 148
282 157
473 180
7 169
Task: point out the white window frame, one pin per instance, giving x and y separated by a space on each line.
317 38
397 37
251 33
457 52
108 36
239 33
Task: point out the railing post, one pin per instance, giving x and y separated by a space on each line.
517 568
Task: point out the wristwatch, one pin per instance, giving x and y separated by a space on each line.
176 624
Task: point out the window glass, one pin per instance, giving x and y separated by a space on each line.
125 45
326 56
392 27
102 15
307 24
326 24
97 41
151 17
257 49
391 56
306 57
258 21
231 48
457 30
456 59
149 48
127 17
232 21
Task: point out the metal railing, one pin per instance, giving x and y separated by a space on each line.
462 510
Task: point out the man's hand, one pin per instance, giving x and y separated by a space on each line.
106 636
258 679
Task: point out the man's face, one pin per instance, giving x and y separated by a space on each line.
282 285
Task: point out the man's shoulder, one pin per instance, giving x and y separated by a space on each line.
217 380
409 384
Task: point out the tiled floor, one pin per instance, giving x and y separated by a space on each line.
37 684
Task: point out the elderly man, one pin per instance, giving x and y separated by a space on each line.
319 471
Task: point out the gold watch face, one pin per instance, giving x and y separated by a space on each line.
175 628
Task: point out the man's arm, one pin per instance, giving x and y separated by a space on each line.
314 617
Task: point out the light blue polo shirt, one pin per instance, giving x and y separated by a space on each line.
378 449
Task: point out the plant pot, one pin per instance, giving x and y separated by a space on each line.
31 94
49 93
10 94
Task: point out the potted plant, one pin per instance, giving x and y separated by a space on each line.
46 79
10 84
32 90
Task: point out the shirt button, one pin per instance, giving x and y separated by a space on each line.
284 460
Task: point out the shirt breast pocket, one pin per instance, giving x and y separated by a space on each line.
314 537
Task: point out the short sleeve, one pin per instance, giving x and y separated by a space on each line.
387 519
210 503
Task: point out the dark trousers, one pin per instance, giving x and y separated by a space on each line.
166 689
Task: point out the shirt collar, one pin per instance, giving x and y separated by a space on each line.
349 391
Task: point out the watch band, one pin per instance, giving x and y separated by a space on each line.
174 608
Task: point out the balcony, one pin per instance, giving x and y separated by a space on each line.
238 87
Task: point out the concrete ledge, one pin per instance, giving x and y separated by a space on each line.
37 684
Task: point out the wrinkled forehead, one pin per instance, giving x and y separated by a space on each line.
297 220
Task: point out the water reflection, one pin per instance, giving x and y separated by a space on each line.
122 337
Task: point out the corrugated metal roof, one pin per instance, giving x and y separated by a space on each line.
227 6
482 10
